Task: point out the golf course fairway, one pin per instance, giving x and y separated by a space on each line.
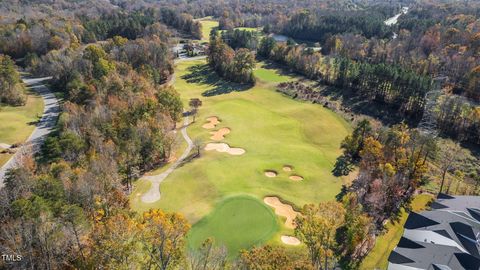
274 131
237 222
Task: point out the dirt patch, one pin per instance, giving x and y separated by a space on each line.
213 121
225 148
287 168
296 178
219 134
270 173
282 209
290 240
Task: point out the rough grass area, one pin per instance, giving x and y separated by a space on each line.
18 122
378 257
273 129
237 223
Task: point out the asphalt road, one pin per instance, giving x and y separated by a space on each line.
43 127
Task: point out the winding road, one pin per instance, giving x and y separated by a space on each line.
43 127
153 194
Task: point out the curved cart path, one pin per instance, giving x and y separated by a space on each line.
153 194
43 127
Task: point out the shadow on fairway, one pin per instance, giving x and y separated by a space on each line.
203 74
280 69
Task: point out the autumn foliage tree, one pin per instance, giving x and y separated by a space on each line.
236 66
163 238
316 227
392 166
11 89
272 257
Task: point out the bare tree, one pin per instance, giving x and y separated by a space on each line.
449 156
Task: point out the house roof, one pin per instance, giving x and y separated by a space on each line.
444 238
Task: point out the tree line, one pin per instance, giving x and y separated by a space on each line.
12 92
240 39
318 26
392 163
236 66
402 89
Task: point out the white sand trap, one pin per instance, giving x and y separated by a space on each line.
219 134
282 209
5 146
296 178
270 173
287 168
225 148
290 240
213 122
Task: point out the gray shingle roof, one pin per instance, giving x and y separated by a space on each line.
444 238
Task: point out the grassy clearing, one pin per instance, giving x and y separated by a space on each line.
17 123
207 26
378 257
273 129
237 222
268 74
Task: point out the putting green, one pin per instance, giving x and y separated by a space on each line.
273 129
238 222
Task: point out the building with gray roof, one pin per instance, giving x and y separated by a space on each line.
443 238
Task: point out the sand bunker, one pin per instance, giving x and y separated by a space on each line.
270 173
223 147
5 146
213 122
296 178
287 168
282 209
290 240
219 134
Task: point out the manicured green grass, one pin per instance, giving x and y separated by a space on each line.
249 28
237 222
271 75
17 122
273 129
207 26
378 257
